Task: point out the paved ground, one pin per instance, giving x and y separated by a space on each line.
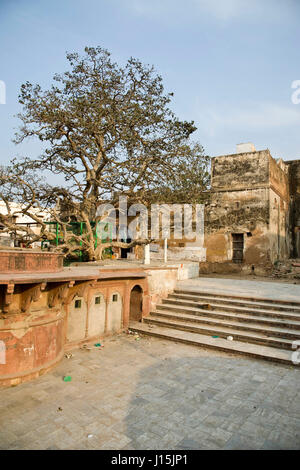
267 289
154 394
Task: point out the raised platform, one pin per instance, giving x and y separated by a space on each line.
44 313
243 287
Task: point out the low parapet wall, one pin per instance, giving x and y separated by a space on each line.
23 261
162 280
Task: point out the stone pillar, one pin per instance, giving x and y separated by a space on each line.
147 254
165 250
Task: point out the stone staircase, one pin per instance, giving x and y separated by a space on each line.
260 328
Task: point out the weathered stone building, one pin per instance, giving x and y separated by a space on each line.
253 216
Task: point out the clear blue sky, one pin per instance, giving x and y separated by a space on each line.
230 63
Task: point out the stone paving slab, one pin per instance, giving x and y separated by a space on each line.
154 394
258 289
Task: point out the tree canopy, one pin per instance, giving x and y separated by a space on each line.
106 130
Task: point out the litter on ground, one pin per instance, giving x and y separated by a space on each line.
68 355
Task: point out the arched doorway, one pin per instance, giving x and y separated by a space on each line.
136 304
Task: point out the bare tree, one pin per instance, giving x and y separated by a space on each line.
106 130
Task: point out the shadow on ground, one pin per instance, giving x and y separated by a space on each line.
215 403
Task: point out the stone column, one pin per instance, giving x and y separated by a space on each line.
165 250
147 254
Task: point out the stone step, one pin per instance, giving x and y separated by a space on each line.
204 341
277 321
290 305
232 303
230 322
228 308
223 331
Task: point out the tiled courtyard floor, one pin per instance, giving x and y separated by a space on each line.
153 394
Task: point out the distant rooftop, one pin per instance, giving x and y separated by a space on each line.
245 148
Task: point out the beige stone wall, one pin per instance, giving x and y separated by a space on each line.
114 312
77 320
96 320
240 171
278 227
161 282
97 313
243 211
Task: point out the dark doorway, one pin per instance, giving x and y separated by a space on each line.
136 304
124 251
237 247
